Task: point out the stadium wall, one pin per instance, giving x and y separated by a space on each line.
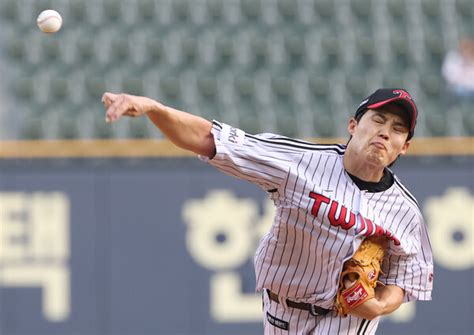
137 237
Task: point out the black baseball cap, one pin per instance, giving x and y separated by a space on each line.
384 96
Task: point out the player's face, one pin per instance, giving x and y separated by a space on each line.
380 136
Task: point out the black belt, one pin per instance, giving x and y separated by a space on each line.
312 309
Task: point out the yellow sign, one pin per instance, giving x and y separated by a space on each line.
34 247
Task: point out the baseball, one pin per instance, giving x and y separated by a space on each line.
49 21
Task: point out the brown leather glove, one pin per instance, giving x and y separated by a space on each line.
359 275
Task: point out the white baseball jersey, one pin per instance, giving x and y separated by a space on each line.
322 217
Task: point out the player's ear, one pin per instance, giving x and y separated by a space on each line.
405 147
352 125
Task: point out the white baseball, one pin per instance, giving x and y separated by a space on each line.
49 21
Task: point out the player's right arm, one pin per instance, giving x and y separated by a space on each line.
185 130
387 299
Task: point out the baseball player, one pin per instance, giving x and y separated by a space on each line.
329 199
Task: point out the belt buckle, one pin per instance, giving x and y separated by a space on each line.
312 310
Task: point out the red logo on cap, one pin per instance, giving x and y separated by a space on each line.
403 94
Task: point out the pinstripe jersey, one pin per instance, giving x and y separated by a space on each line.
322 217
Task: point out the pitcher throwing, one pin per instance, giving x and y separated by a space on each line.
329 200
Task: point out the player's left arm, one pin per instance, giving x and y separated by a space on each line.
387 299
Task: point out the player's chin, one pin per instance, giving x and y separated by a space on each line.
377 158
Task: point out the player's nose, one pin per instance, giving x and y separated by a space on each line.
384 131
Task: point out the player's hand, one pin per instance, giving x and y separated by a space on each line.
118 105
369 310
387 299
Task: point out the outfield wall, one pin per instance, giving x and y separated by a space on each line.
164 245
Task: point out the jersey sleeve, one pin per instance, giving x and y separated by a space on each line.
250 157
413 272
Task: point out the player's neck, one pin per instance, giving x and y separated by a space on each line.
362 169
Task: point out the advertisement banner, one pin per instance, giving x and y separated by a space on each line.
166 246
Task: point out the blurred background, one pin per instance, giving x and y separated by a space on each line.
296 67
107 229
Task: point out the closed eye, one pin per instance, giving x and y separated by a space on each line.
400 127
379 119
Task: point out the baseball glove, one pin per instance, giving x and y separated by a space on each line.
359 275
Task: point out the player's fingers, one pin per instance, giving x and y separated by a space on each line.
117 108
108 98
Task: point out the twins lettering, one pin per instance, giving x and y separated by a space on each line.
370 228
